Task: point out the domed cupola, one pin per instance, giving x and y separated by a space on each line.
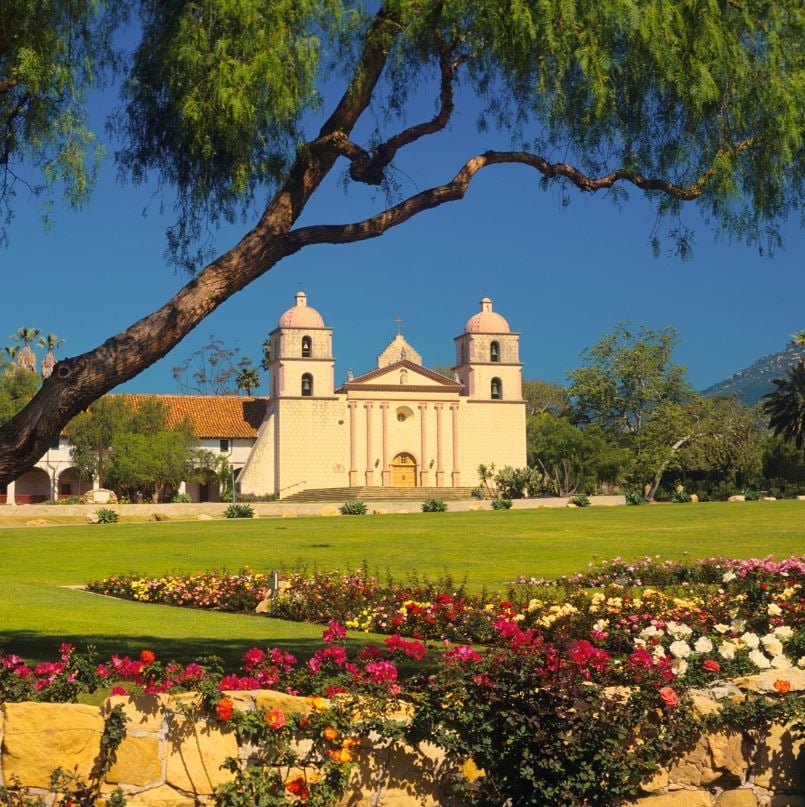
487 320
301 356
487 357
301 315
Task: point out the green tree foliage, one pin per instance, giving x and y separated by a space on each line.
573 459
51 53
687 102
545 396
17 387
247 378
785 407
131 449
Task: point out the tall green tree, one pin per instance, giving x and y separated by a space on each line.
684 102
785 406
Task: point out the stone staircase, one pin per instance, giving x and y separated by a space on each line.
379 494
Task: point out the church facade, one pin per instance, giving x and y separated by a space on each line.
398 425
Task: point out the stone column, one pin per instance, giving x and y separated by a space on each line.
10 490
456 475
353 459
182 488
369 466
439 452
423 445
386 474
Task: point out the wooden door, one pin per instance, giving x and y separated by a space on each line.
403 471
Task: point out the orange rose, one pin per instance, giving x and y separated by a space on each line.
343 756
224 708
147 656
298 787
669 698
330 733
318 703
782 686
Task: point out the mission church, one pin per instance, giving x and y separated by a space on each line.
399 425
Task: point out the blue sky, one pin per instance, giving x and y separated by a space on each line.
561 275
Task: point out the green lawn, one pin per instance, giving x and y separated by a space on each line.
37 611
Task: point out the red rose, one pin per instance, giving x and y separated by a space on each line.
669 698
711 665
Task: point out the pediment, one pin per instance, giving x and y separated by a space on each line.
402 374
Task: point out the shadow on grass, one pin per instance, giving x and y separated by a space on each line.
36 647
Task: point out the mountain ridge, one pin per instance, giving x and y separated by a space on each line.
753 382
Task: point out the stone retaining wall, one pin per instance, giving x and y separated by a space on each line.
171 760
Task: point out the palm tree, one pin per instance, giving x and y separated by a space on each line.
26 359
798 340
785 406
247 379
50 342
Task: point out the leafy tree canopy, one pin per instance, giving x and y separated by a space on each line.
686 101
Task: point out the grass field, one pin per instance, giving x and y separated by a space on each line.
38 611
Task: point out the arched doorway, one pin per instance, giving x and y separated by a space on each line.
403 471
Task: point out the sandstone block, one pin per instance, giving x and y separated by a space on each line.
270 699
203 517
694 499
40 737
657 782
679 798
145 713
764 681
475 507
93 518
196 750
162 796
289 514
138 763
737 798
801 498
329 510
785 800
780 762
769 498
737 498
380 511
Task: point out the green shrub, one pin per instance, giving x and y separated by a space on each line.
70 500
634 498
352 508
680 497
751 495
477 493
239 511
580 501
182 498
501 503
106 516
434 506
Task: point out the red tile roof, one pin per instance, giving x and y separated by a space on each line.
211 415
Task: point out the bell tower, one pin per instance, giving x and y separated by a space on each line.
301 363
487 358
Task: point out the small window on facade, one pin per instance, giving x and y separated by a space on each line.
494 351
306 346
224 445
55 445
497 389
307 385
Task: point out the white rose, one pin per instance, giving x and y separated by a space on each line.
727 650
649 632
784 632
721 628
781 662
738 625
678 629
703 645
774 609
801 661
679 649
659 652
679 666
728 576
751 640
759 660
772 644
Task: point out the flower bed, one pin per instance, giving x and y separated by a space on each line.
568 693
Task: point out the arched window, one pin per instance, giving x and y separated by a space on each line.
497 389
306 346
307 385
494 351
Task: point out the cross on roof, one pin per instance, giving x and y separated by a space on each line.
399 322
